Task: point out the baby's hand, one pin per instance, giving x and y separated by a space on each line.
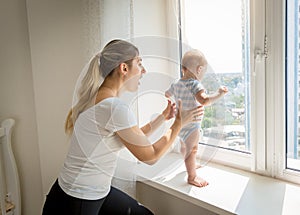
223 90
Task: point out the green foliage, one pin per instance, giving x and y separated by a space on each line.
239 100
221 113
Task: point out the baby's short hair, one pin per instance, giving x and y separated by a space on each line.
192 59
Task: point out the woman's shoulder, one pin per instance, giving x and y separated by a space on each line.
110 101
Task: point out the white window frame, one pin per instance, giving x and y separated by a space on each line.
276 64
275 16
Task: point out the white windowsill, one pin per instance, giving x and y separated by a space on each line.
230 191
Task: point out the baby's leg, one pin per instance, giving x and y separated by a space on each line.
182 148
184 153
190 159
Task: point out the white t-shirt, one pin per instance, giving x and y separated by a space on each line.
91 161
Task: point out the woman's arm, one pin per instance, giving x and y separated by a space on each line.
138 144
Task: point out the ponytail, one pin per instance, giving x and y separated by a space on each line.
112 55
86 94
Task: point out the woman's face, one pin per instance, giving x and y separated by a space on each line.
134 74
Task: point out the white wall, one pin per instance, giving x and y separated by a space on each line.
55 30
40 61
17 100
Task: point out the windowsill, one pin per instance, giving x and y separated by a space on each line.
230 191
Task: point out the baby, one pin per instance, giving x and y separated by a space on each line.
192 94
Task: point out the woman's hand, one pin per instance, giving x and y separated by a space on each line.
170 110
187 116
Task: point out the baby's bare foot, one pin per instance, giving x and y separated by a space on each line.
197 181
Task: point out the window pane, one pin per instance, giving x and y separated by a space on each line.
220 29
292 84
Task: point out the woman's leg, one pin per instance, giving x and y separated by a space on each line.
60 203
191 143
119 203
55 201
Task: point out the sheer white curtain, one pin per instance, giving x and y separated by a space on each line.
116 19
104 20
91 28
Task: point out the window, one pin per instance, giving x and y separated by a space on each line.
224 39
252 48
221 30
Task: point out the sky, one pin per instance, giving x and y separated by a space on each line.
215 28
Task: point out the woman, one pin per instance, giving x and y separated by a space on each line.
101 124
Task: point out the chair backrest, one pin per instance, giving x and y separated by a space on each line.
9 177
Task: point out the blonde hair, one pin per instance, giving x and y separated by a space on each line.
112 55
192 59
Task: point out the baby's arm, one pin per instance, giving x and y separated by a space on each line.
205 99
